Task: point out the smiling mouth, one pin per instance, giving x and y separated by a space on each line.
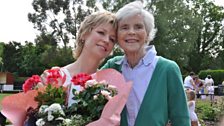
131 41
103 48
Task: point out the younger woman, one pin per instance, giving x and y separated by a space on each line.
95 41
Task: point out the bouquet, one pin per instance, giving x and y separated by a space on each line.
98 101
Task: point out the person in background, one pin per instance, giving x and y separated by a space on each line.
157 96
189 81
191 105
209 82
199 85
95 41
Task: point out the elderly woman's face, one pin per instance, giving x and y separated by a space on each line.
132 33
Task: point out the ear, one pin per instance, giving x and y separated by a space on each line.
84 36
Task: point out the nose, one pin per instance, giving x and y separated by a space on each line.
106 38
131 31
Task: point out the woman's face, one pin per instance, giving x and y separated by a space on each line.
132 34
100 41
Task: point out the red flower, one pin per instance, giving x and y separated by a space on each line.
53 76
31 82
80 79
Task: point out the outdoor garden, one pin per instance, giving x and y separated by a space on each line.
191 33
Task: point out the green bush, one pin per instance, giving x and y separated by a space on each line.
217 75
205 111
18 82
210 112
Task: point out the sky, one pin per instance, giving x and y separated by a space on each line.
14 24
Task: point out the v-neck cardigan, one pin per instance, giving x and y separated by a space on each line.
165 98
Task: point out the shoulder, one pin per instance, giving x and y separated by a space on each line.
115 59
114 62
167 64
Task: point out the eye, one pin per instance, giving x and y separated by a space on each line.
139 26
112 40
124 27
101 32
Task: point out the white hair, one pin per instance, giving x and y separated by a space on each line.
134 8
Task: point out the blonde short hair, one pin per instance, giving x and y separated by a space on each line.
89 23
134 8
191 95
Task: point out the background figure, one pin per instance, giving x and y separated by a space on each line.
189 82
95 41
191 105
209 82
199 85
157 95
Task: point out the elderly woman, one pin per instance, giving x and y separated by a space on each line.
158 95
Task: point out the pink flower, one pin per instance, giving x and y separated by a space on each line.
31 82
53 76
81 79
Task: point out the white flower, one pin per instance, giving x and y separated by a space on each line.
105 93
60 118
90 83
108 97
42 108
112 87
67 121
95 97
40 122
77 92
50 117
54 108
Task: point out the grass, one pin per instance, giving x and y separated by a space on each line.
2 95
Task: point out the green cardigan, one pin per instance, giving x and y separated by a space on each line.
165 98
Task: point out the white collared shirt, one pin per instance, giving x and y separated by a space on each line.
140 75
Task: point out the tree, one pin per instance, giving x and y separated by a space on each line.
11 56
30 63
1 54
209 40
175 34
188 33
60 18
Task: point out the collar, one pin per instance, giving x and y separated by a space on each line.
147 59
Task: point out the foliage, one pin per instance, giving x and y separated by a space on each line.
207 111
217 75
88 99
77 120
207 45
51 95
174 36
11 56
60 18
1 53
95 95
50 115
189 32
30 60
